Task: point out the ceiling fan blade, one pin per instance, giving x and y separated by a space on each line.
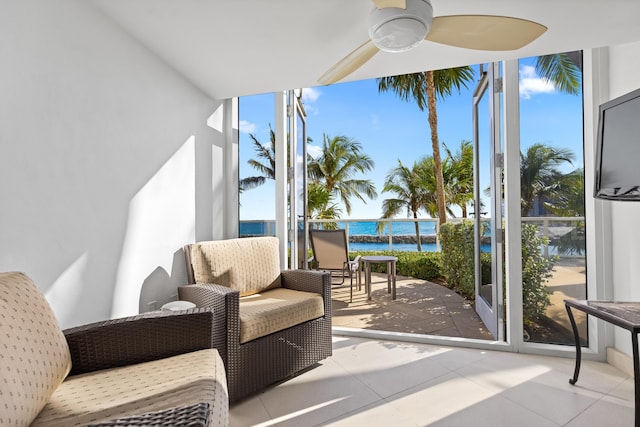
383 4
484 32
347 65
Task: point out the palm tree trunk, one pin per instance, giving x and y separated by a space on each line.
415 215
435 144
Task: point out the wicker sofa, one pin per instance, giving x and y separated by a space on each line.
277 322
160 368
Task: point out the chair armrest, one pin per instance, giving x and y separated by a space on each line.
308 281
192 416
225 303
142 338
317 281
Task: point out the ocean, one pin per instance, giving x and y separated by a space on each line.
368 228
363 228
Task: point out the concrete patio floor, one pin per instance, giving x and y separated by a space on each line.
420 307
424 307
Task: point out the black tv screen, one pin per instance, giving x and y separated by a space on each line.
618 149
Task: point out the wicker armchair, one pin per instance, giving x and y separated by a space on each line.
100 373
242 281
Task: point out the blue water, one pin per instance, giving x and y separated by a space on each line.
267 228
398 228
402 247
255 228
262 228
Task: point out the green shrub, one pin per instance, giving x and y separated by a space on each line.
535 273
419 265
485 261
458 266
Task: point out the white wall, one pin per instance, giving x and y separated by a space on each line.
624 62
107 165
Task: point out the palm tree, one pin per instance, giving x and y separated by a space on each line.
454 191
564 70
340 160
539 174
410 193
321 205
423 88
426 172
568 199
266 165
458 175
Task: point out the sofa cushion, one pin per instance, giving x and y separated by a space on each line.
135 389
248 265
35 358
277 309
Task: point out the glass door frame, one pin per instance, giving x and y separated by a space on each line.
288 109
491 312
298 181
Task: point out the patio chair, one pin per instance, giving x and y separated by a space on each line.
157 368
277 322
330 253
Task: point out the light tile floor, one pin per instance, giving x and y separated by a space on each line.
385 383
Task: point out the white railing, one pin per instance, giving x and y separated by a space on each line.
388 223
546 225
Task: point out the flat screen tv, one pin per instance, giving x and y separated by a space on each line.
618 149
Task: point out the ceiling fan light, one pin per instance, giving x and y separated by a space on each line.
396 30
399 35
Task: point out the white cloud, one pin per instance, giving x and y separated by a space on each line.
310 94
531 84
247 127
314 151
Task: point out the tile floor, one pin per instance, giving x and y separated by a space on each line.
384 383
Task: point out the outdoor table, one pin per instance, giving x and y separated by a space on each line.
623 314
391 272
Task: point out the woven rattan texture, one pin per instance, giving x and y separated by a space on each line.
187 416
137 339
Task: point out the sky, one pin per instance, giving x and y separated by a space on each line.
390 129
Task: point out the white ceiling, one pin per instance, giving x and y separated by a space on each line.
240 47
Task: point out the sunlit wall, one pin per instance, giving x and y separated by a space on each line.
107 164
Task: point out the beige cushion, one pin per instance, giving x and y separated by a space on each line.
136 389
277 309
34 356
248 265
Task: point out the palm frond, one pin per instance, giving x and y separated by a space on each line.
561 70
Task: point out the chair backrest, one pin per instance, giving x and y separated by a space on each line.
248 265
329 248
34 355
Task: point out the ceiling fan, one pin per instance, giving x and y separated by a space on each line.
401 25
